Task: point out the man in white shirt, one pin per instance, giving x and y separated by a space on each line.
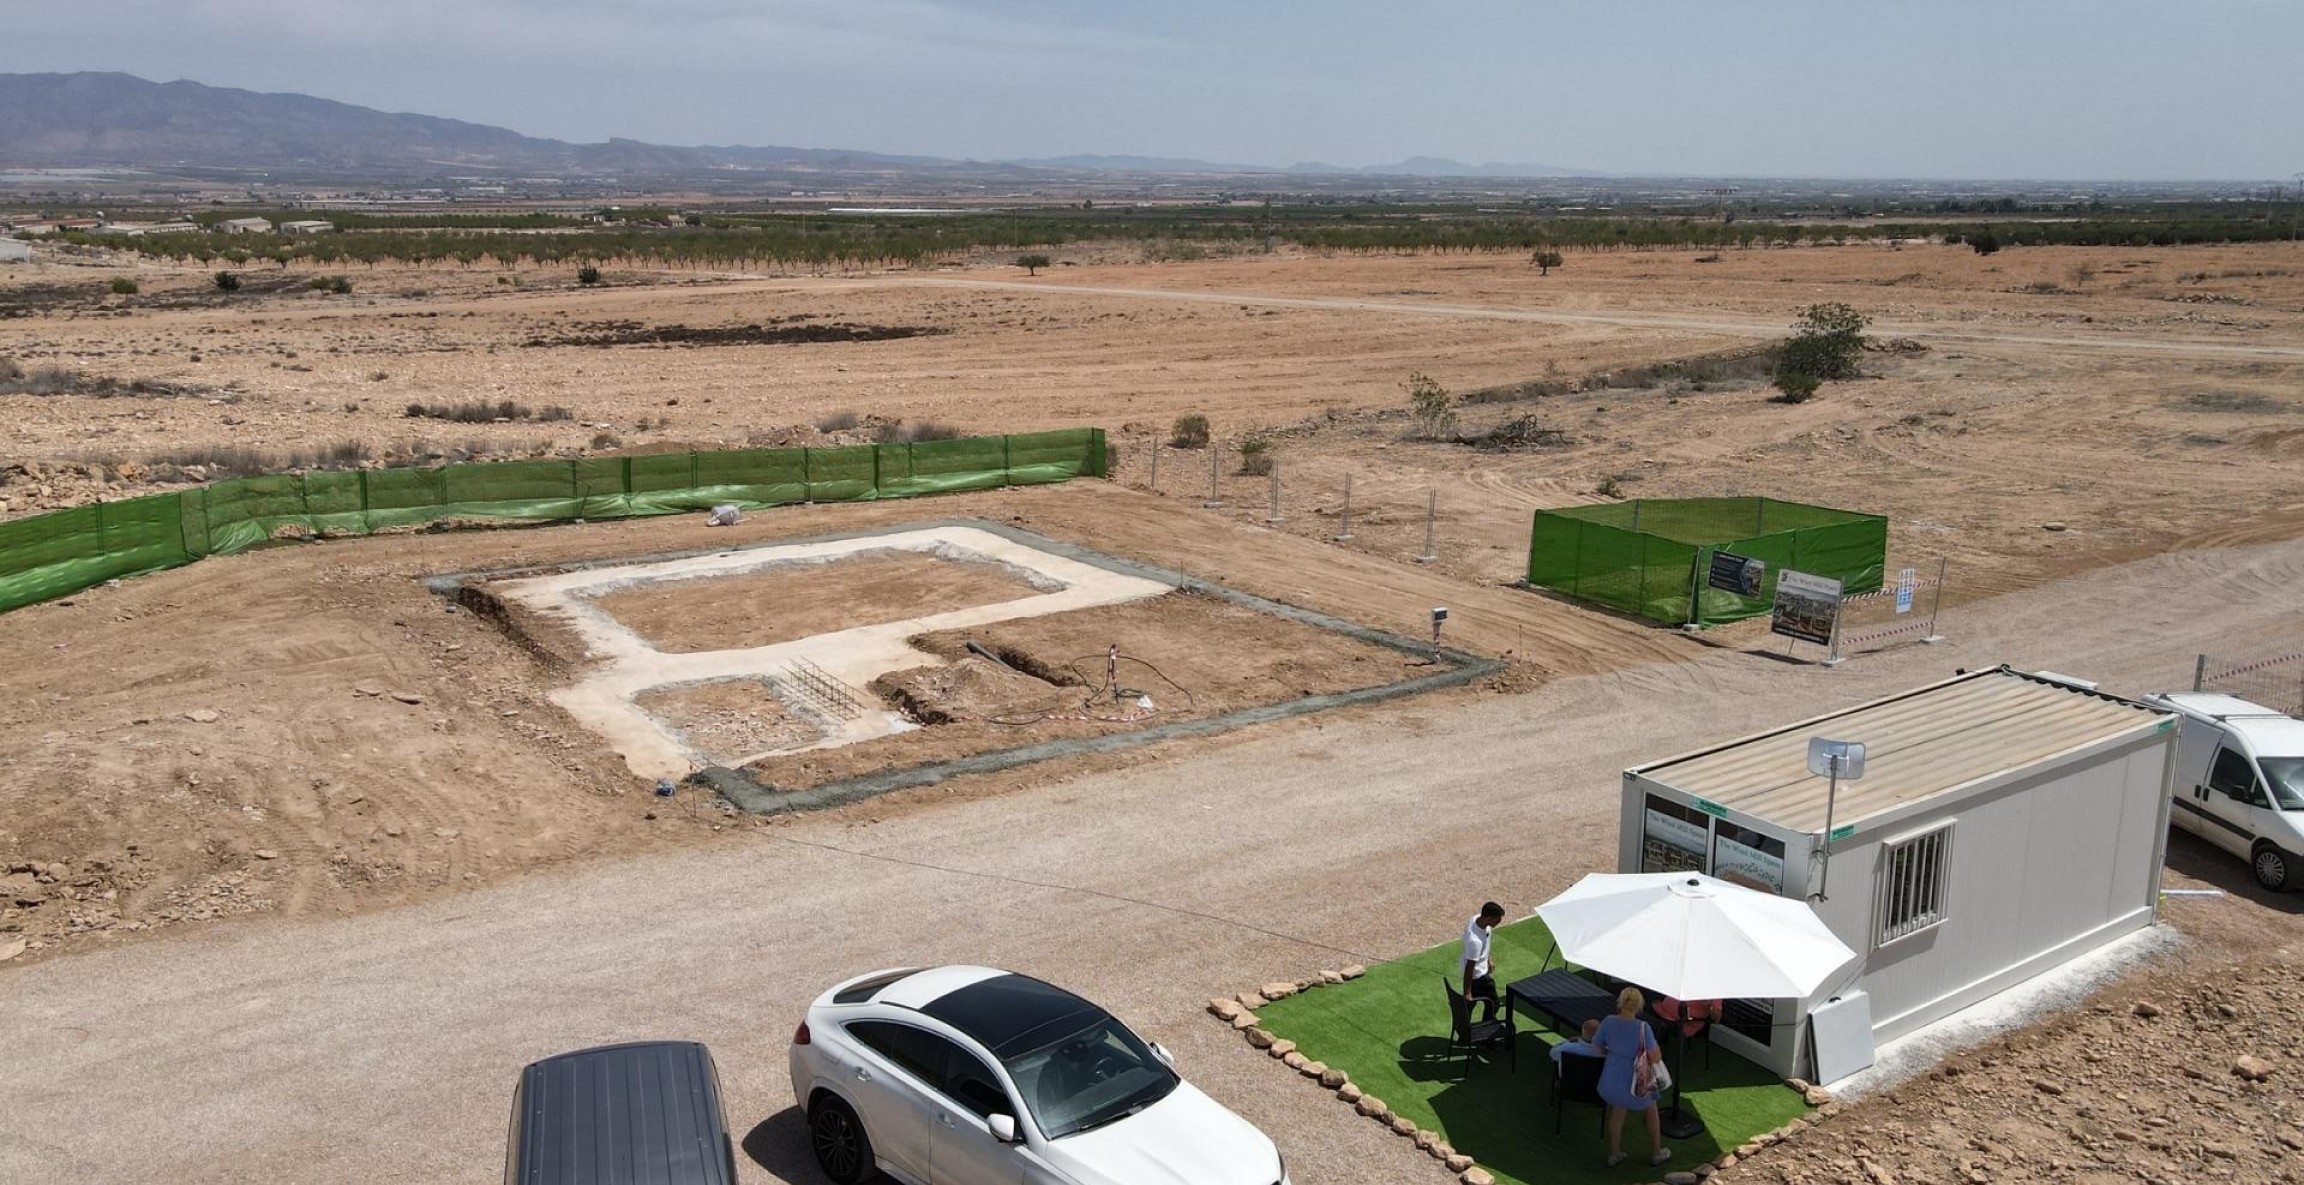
1479 982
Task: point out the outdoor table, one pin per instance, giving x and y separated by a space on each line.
1560 995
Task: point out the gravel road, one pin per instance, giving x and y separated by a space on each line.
381 1047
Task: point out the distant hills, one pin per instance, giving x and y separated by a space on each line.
1415 166
119 120
98 120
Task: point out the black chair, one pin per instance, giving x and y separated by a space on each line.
1576 1079
1474 1035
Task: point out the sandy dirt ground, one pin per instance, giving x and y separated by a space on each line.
780 604
728 720
238 736
273 739
1191 656
380 1046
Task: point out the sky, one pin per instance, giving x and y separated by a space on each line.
1988 89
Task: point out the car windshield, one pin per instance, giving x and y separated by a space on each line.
2285 777
1092 1077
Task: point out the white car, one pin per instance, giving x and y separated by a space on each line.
971 1076
2240 781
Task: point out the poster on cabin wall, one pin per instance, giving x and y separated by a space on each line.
1670 843
1748 866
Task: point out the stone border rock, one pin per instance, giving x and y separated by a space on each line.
1240 1013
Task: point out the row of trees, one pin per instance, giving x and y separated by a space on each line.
833 241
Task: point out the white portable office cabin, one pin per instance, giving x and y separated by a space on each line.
2006 823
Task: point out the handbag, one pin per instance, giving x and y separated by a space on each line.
1646 1076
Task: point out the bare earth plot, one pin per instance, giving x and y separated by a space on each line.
115 771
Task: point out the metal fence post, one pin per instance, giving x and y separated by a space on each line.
1344 524
2200 673
1431 512
1839 610
1275 515
1936 603
1155 466
1215 458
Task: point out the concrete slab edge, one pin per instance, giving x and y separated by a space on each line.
749 794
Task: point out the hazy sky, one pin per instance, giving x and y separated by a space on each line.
2183 89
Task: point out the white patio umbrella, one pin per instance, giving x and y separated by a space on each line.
1694 937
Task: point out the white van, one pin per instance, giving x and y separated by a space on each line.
2240 781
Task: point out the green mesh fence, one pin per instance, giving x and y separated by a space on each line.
51 555
1648 557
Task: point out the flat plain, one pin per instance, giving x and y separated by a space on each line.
224 771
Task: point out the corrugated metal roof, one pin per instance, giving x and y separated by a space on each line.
1917 745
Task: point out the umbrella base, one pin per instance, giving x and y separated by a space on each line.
1679 1124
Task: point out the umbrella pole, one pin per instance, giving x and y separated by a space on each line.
1679 1124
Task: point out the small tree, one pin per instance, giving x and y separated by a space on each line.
227 281
1189 431
1825 342
1984 242
1255 456
1796 386
1435 418
1032 263
587 275
124 286
1545 261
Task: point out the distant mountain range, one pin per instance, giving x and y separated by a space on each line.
1415 166
96 120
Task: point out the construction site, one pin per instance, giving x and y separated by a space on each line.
535 755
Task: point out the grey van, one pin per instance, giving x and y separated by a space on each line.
645 1113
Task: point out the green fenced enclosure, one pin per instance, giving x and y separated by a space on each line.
52 555
1649 557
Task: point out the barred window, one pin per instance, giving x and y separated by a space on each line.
1912 891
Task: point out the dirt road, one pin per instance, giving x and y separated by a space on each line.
382 1047
1758 328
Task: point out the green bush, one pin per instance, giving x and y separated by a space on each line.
1825 343
1545 261
123 286
587 275
1255 456
1435 415
1189 431
1795 387
227 281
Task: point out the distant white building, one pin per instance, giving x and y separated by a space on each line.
245 226
309 226
15 251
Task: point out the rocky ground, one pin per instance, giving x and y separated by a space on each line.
2182 1074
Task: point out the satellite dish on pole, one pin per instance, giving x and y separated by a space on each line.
1833 760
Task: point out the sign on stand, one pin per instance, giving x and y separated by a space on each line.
1907 582
1807 607
1738 574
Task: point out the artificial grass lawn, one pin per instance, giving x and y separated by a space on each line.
1389 1030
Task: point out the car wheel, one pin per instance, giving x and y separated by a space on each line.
2273 867
843 1151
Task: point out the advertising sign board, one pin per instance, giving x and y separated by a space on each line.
1738 574
1806 607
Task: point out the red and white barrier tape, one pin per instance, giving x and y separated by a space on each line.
1888 632
2256 666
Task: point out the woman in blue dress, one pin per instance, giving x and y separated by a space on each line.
1628 1080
